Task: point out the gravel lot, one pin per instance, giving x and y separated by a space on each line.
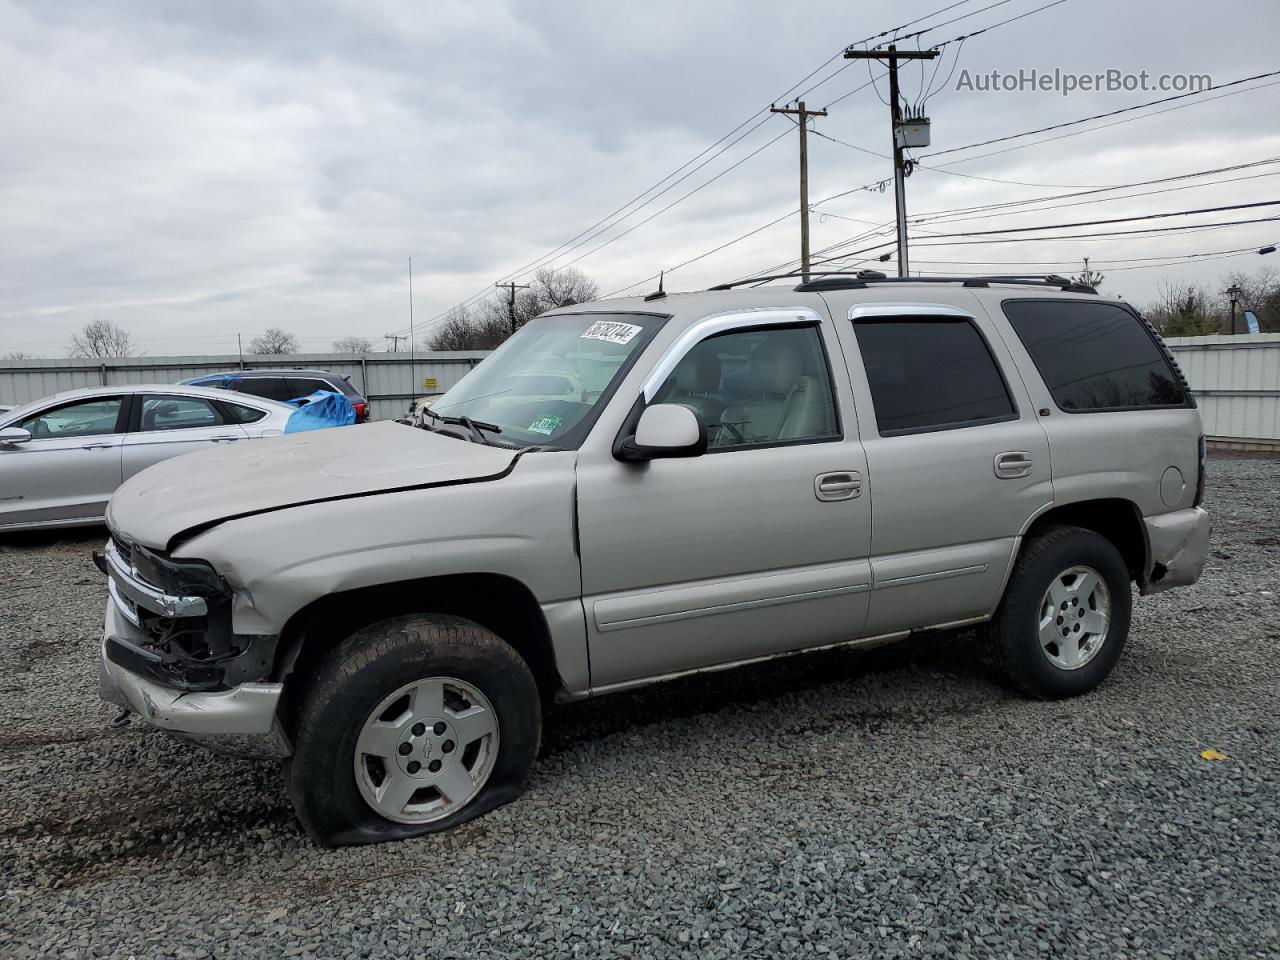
888 803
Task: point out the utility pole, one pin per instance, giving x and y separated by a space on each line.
804 116
891 57
395 339
511 301
240 350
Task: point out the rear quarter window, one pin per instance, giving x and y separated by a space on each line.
1095 356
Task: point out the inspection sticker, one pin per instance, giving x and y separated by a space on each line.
545 425
611 331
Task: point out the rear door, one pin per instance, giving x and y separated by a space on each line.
70 466
169 425
958 461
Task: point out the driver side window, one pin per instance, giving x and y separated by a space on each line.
757 387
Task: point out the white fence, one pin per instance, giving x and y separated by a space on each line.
1236 382
388 380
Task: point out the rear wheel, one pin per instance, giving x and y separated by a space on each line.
1064 619
411 726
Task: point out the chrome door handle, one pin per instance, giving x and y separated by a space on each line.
97 446
1013 465
837 486
224 439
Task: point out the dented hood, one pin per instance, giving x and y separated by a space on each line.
257 476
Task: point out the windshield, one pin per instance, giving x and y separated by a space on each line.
547 384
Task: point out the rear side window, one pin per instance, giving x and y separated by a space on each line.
273 388
240 414
1095 356
305 386
931 375
178 413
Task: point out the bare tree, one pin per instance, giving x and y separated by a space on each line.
353 344
19 355
102 338
463 330
1182 310
274 340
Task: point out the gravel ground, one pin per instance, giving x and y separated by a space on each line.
888 803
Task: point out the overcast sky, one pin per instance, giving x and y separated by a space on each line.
194 170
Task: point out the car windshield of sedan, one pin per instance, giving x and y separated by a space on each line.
546 385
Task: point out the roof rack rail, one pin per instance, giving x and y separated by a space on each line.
864 274
859 279
856 283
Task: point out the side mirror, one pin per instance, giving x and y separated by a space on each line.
13 435
664 430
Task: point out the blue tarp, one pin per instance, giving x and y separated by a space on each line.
316 411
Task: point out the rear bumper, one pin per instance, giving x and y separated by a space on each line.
1179 547
242 721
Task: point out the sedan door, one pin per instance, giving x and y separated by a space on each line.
759 546
69 468
169 425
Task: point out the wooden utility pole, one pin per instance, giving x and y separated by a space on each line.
511 301
804 115
395 339
891 57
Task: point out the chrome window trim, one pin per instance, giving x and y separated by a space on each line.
144 595
720 323
867 311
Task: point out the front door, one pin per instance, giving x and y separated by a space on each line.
70 466
757 547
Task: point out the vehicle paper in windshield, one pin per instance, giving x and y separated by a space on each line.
549 425
611 331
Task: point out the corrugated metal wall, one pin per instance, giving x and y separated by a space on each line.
1236 382
386 379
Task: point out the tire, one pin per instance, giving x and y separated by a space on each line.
1029 616
489 696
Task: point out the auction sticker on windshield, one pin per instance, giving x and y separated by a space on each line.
611 331
545 425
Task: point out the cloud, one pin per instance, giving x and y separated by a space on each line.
197 170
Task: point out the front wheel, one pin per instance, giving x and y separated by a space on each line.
412 726
1064 619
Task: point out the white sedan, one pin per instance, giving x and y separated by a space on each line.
62 457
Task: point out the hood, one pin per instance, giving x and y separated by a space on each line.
257 476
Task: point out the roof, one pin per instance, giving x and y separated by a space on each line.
906 293
271 372
172 389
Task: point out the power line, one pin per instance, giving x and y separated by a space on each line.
977 33
1099 116
1098 223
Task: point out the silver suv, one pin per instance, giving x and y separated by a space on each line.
632 490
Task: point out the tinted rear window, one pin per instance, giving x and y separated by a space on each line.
1095 356
305 386
272 388
930 375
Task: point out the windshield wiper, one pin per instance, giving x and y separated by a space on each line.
475 426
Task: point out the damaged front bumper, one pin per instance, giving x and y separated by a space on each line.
1179 543
240 718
